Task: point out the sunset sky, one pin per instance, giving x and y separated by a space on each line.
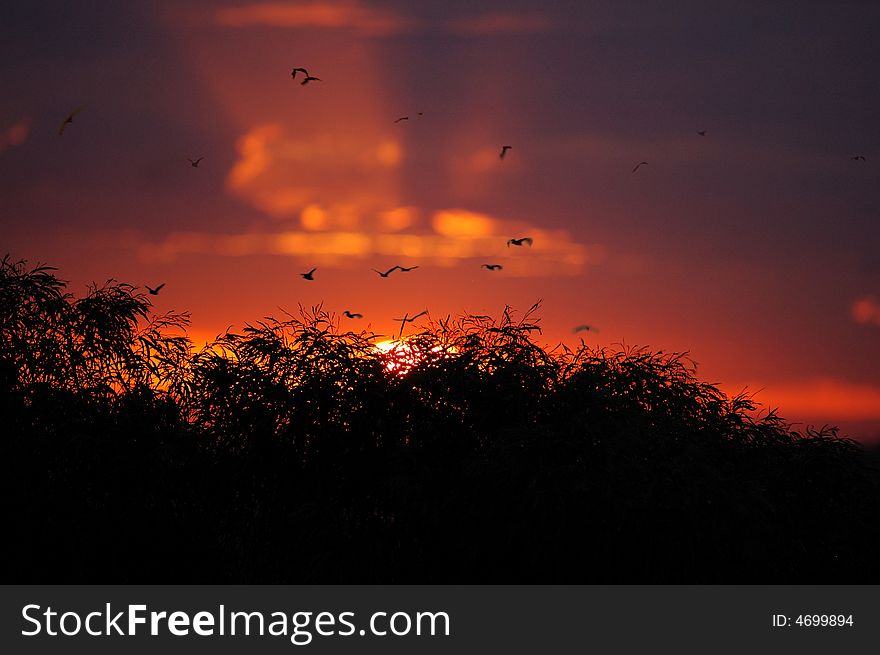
755 247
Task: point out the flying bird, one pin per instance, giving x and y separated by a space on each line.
155 292
701 132
504 150
386 273
859 158
639 165
519 242
352 314
298 70
310 78
402 118
69 119
584 328
195 162
492 267
408 319
310 275
404 269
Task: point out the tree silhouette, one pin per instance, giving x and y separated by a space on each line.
296 451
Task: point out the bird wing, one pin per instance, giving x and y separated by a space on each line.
527 240
159 288
69 119
412 318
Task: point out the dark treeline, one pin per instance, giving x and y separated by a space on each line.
297 452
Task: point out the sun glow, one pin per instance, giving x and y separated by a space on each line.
401 355
398 355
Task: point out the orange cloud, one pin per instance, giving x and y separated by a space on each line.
399 218
15 135
338 196
481 160
457 235
866 310
462 223
351 15
501 23
326 179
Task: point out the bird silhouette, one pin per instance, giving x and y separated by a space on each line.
492 267
386 273
639 165
195 162
701 132
504 150
404 269
519 242
310 78
402 118
67 121
298 70
350 314
408 319
155 292
310 275
859 158
584 328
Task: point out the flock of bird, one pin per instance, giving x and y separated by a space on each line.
310 275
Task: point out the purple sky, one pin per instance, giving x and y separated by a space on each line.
754 247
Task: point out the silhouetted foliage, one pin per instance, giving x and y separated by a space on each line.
295 451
